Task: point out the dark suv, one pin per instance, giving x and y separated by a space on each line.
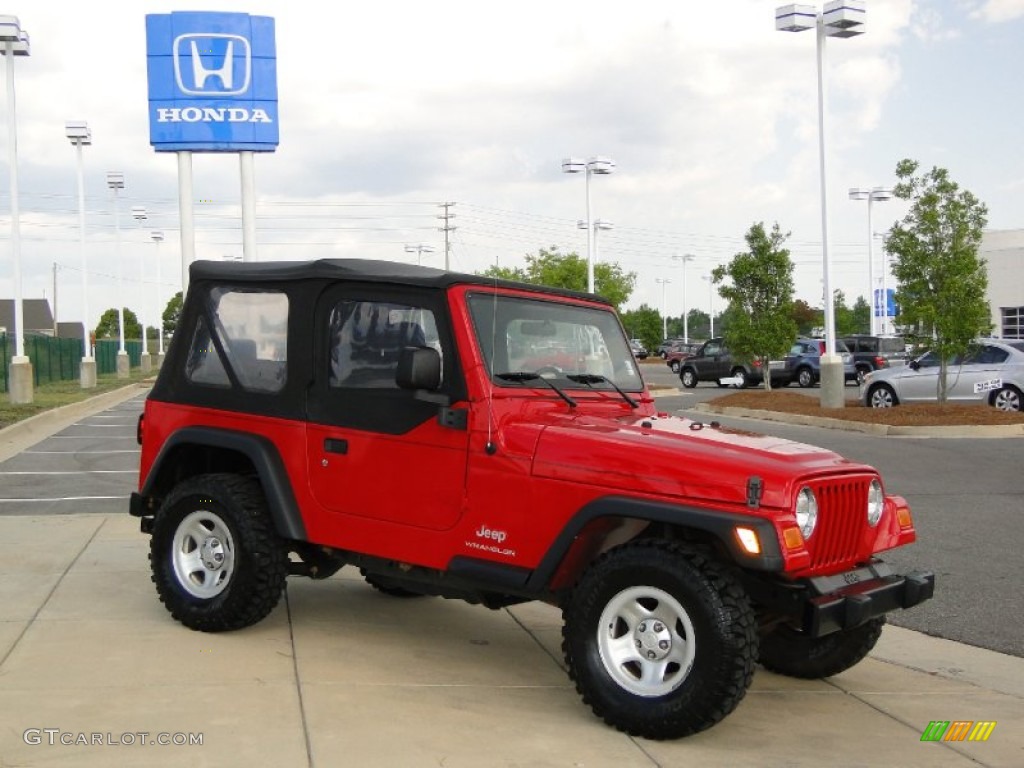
494 442
714 362
871 353
803 363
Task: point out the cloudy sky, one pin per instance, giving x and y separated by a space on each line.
391 107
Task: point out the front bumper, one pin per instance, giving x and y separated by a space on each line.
822 605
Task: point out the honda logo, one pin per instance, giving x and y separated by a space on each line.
212 64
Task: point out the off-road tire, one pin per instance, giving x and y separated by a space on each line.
688 377
204 516
696 605
790 652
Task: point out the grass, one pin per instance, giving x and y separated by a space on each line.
58 393
913 415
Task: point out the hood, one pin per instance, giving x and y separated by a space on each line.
681 458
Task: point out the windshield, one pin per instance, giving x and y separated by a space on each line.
553 339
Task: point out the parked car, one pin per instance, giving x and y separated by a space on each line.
713 362
992 372
639 350
870 353
680 352
803 363
666 346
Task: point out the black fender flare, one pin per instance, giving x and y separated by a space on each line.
718 524
265 458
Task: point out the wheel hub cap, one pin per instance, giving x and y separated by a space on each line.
212 553
653 640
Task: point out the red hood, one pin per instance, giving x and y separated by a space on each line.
676 457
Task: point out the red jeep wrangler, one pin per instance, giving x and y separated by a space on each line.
486 440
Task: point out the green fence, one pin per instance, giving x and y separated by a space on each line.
58 359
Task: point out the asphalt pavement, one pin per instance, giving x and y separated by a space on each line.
93 671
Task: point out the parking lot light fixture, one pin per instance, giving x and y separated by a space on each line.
419 250
78 133
664 281
872 194
14 41
139 214
711 303
838 18
157 237
601 166
686 320
115 181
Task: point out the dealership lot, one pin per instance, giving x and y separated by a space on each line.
341 670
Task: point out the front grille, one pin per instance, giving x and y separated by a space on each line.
842 516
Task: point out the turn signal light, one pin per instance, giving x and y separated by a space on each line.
792 538
904 518
747 538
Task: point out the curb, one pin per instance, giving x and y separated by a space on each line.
27 432
881 430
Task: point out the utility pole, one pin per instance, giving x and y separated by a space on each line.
447 216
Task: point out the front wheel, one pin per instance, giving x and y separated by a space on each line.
739 373
217 563
882 396
660 639
805 378
790 652
689 378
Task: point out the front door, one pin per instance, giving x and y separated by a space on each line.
375 450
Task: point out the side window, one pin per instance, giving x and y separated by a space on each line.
366 338
711 349
252 330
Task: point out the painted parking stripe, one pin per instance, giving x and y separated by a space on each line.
76 472
62 498
79 453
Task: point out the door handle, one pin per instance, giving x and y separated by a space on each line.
335 445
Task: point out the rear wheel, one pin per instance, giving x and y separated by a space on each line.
674 366
862 372
741 374
1007 399
882 396
790 652
805 377
216 561
660 639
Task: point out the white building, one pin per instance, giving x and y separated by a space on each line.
1003 251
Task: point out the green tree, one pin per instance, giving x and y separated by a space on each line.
569 270
806 317
760 295
109 327
644 324
941 281
172 313
848 321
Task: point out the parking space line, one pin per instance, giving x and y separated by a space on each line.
76 472
79 453
61 498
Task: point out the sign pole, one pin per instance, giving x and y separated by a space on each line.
248 177
187 216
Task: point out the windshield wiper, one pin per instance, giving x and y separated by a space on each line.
590 379
522 376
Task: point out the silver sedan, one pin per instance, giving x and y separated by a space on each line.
992 372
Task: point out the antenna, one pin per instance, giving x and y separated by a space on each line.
491 447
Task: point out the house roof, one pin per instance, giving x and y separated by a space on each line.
38 316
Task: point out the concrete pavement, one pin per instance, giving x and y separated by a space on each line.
341 675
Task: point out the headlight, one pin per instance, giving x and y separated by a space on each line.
806 512
876 502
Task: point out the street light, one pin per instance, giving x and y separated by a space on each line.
711 303
80 136
157 237
664 318
115 180
839 18
875 193
145 361
419 250
602 166
15 43
686 321
599 225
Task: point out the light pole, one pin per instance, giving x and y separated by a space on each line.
145 361
686 320
419 250
711 303
664 318
875 193
839 18
115 180
80 136
599 225
15 43
157 237
602 166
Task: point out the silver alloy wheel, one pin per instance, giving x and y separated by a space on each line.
805 378
646 641
203 554
882 397
1007 399
674 366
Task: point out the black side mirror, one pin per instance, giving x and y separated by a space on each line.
914 365
418 368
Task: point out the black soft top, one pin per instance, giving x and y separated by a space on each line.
360 270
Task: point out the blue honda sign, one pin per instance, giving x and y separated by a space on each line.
885 303
212 82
